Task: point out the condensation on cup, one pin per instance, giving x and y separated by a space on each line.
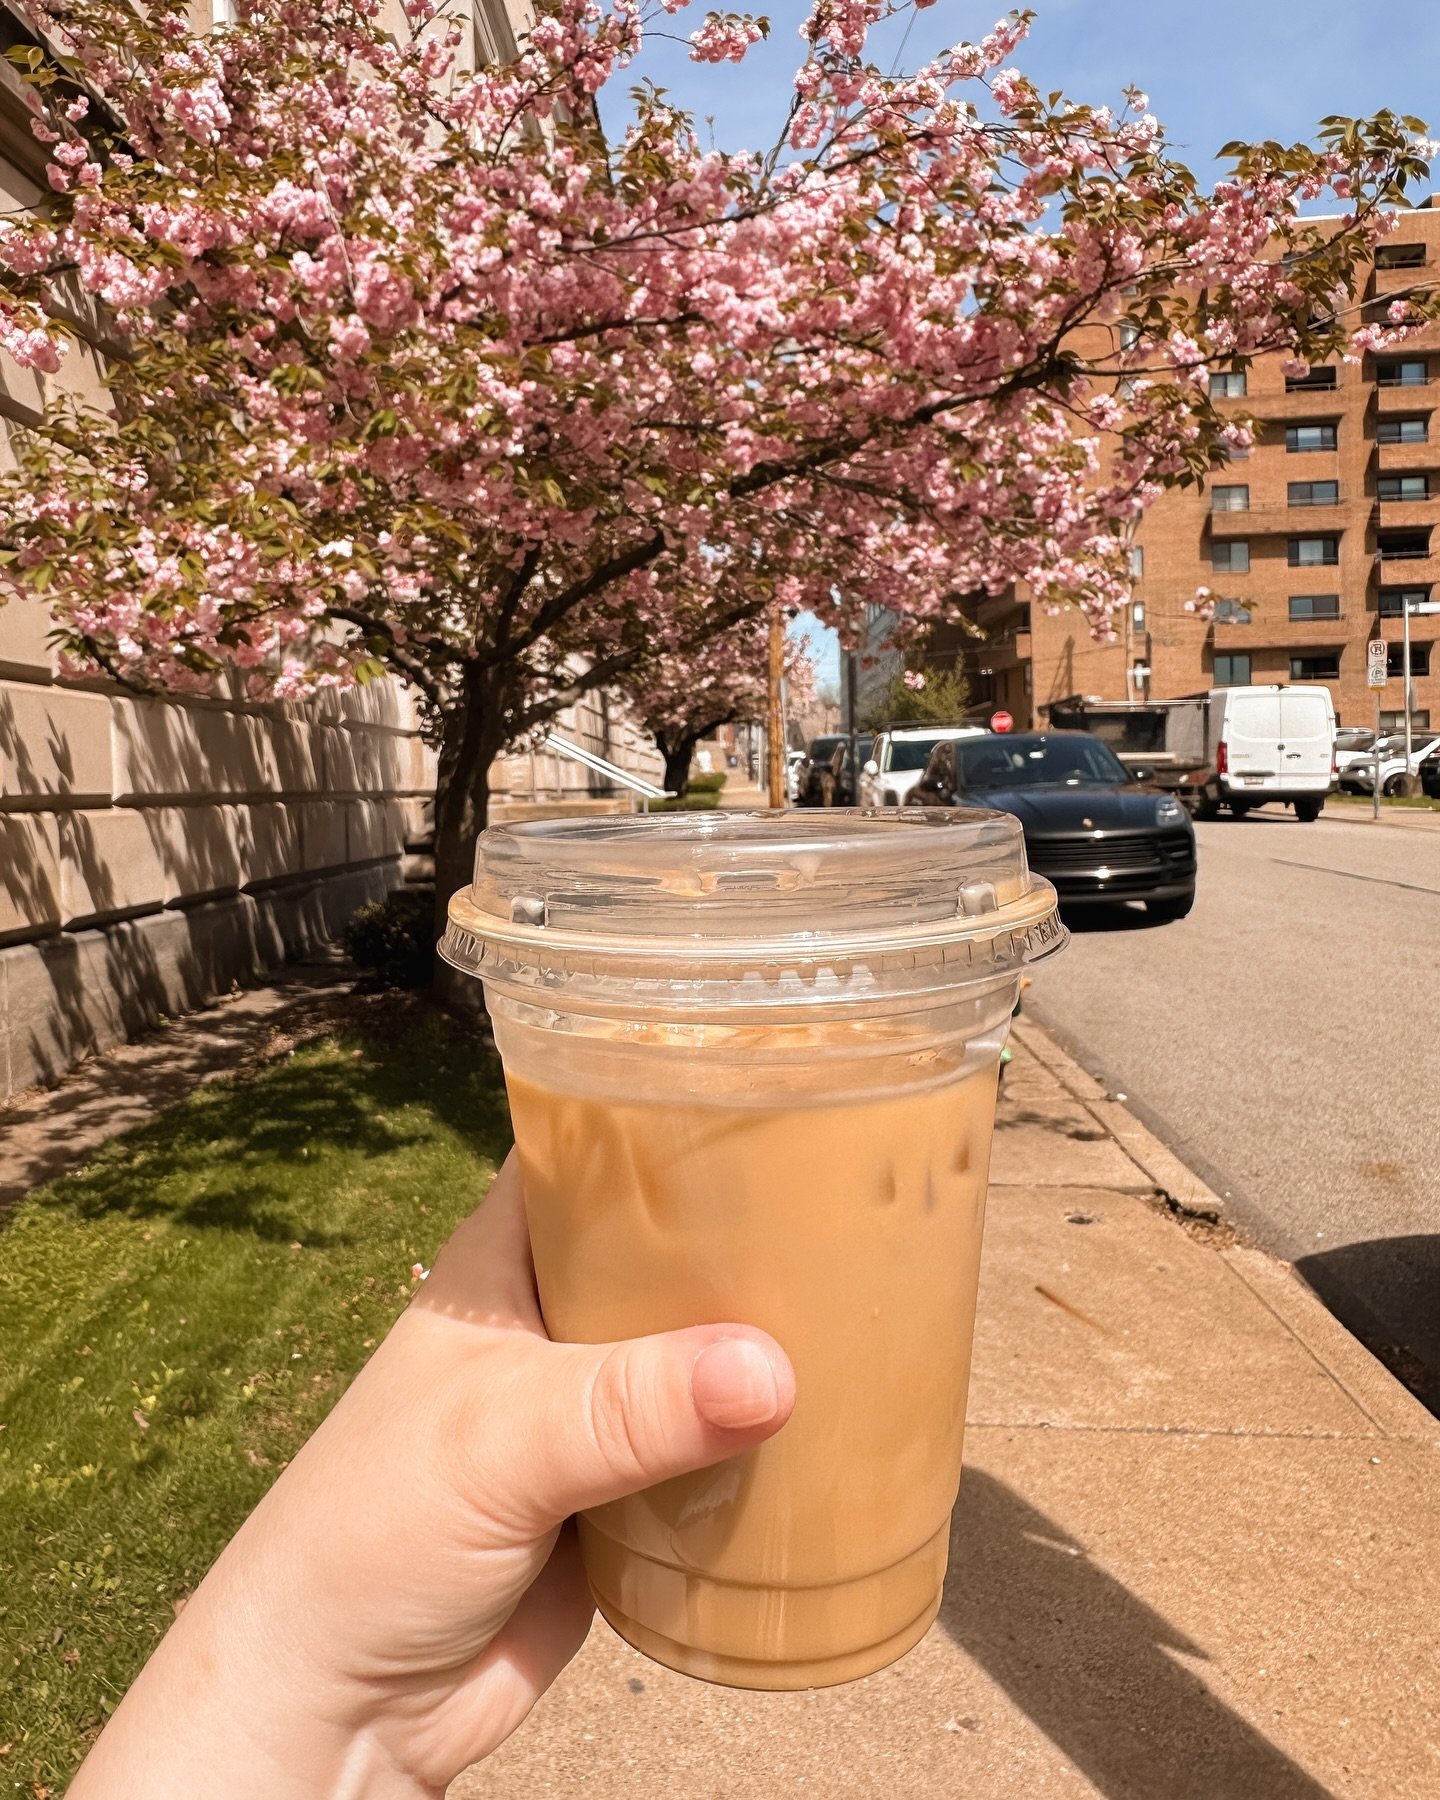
752 1064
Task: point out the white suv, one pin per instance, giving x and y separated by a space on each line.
898 758
1359 778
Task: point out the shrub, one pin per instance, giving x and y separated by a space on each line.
394 938
705 784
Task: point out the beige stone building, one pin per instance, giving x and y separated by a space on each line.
154 851
1312 544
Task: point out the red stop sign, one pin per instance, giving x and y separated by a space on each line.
1001 721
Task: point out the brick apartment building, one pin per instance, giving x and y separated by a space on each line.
1311 542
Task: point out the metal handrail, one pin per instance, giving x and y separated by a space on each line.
611 771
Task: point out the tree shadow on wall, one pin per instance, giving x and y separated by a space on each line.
1093 1666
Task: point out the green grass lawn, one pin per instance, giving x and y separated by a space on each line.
1420 801
178 1315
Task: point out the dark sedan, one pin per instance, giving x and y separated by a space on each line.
815 781
1089 826
1430 775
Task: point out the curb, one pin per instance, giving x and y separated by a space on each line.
1391 1407
1350 816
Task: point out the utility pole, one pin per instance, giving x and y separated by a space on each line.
850 660
776 713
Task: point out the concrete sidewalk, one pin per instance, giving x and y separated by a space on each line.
1194 1557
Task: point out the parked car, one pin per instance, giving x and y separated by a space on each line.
814 777
842 776
1353 744
1090 827
1360 777
1430 775
898 757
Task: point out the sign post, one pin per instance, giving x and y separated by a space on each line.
1377 670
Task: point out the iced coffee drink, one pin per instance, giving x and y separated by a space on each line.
783 1119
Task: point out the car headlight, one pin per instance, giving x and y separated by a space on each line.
1169 812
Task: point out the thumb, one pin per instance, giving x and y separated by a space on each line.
615 1418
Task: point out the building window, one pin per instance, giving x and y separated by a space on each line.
1129 334
1232 670
1312 381
1400 256
1229 386
1311 552
1234 453
1315 665
1403 374
1234 498
1232 558
1314 606
1231 612
1396 602
1395 721
1401 431
1402 546
1137 615
1314 493
1310 437
1137 561
1395 660
1403 487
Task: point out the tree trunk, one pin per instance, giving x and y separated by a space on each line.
678 752
472 736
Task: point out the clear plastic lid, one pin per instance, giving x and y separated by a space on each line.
663 893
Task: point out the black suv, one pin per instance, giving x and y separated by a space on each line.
1090 827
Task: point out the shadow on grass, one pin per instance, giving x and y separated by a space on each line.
230 1159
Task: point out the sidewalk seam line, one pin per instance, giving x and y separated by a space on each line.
1339 1381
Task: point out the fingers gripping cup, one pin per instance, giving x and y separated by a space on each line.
752 1064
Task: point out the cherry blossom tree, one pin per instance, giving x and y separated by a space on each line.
419 372
681 699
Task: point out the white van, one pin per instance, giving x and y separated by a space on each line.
898 758
1268 743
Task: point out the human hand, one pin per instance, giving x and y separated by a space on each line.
408 1589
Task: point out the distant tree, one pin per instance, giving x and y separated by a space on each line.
682 699
921 697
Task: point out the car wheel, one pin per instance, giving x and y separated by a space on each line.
1207 804
1395 784
1307 811
1239 808
1165 912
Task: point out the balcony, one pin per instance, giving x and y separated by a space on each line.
1413 398
1395 281
1289 521
1406 571
1407 515
1010 651
1408 459
1307 405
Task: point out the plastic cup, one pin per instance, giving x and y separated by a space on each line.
752 1064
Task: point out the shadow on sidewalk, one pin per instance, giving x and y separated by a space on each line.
1094 1667
1387 1292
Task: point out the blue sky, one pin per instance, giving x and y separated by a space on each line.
1214 70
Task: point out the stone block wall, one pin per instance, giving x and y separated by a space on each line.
152 851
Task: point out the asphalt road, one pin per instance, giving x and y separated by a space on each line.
1284 1040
